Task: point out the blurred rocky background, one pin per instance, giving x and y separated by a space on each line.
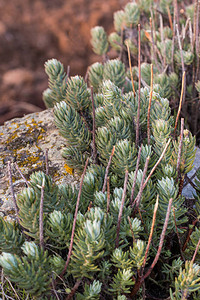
32 32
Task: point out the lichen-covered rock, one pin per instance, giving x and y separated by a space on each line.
25 141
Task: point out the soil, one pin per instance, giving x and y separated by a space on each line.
31 32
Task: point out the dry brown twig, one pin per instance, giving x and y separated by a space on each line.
41 217
93 128
108 195
12 191
180 103
135 176
130 67
75 218
155 166
180 147
20 172
151 233
139 195
139 87
149 107
107 170
121 208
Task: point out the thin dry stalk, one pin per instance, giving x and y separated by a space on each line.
130 67
108 195
161 240
135 176
94 128
139 86
170 18
68 71
131 228
149 108
54 288
121 208
12 191
74 289
20 172
154 47
180 48
41 219
75 217
122 42
47 162
155 166
2 284
182 61
190 34
86 75
162 39
173 38
197 42
189 233
180 147
139 195
151 233
12 287
195 23
195 252
107 170
180 103
176 11
178 236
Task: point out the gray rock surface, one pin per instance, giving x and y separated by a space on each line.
25 141
188 190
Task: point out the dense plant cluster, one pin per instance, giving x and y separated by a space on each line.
127 232
169 40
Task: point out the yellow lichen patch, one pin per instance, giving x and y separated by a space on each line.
68 169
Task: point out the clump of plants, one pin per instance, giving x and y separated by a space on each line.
169 40
127 232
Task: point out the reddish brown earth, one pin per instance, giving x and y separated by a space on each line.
32 32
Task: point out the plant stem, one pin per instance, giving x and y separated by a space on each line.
129 220
108 195
151 233
189 233
182 62
121 208
180 103
135 176
20 172
178 236
74 222
179 148
161 240
149 108
139 195
139 86
74 289
107 169
170 18
155 166
94 128
130 67
47 162
12 191
195 252
41 225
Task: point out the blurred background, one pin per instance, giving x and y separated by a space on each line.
32 32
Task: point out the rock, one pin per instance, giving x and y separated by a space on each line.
25 141
188 190
18 77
